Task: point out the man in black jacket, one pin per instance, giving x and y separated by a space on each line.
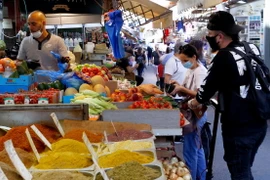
242 133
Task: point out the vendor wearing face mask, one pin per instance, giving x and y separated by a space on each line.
192 149
37 47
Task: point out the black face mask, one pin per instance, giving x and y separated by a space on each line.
212 42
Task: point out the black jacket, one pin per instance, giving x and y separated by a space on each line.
224 77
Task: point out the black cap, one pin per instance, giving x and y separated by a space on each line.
223 21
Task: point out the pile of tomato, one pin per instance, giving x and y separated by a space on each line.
32 97
151 103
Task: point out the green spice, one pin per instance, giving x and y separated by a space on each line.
132 171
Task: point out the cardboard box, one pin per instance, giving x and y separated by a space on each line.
112 85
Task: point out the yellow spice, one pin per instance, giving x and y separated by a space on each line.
129 145
69 145
122 156
64 160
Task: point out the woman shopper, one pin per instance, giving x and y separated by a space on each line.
192 148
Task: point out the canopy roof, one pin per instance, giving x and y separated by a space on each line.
140 12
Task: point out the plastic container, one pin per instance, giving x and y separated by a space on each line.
8 71
89 47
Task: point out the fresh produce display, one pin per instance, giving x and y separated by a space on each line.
176 169
87 71
132 95
151 103
149 89
31 97
56 85
97 103
70 91
7 62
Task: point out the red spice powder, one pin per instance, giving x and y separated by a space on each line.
19 139
76 134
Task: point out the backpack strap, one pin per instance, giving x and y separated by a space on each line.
247 60
251 53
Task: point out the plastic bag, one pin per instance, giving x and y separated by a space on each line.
61 63
47 76
72 80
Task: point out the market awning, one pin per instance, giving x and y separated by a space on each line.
211 3
140 12
183 5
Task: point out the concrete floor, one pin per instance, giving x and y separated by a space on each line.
261 167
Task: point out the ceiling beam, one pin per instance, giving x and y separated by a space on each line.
155 7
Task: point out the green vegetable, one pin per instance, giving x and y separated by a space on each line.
23 69
3 45
97 103
15 74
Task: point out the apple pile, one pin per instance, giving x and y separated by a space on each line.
133 94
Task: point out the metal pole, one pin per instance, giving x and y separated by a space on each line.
209 174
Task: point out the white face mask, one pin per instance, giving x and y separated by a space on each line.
36 34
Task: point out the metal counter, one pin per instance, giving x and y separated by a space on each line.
164 122
17 115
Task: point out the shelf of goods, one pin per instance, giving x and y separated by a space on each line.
253 29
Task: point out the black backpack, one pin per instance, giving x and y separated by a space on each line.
258 97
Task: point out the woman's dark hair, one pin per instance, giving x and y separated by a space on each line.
198 44
189 51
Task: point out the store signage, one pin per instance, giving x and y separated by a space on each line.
60 6
63 6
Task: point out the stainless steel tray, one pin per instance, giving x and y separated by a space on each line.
20 115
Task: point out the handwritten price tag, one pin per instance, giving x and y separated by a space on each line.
16 161
32 144
58 125
2 175
41 136
94 156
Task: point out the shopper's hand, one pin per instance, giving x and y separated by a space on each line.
174 82
18 62
178 88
